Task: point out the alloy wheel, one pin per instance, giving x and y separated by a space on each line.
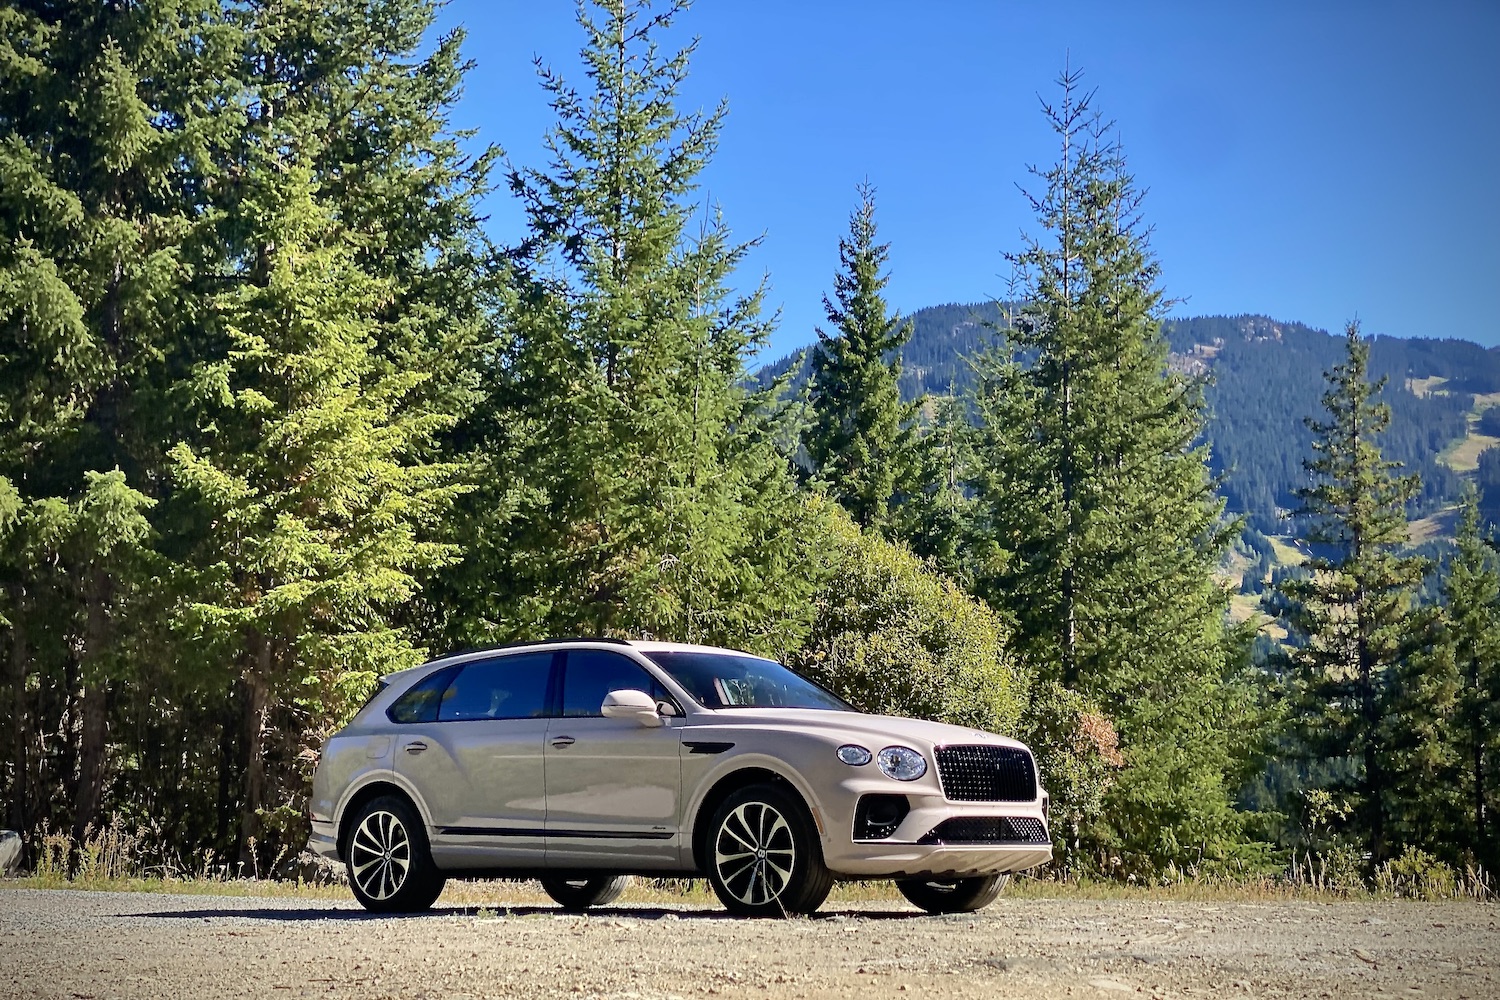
755 853
380 855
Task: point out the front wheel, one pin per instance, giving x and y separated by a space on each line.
763 855
963 895
390 867
578 894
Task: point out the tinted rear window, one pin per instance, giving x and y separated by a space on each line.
420 704
506 687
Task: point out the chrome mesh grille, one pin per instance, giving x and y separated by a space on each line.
988 830
986 774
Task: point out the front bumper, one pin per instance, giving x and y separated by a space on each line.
884 859
904 855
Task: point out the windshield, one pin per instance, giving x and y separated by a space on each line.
731 680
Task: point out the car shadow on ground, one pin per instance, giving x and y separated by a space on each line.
286 914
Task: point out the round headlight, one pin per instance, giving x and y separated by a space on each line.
854 754
901 763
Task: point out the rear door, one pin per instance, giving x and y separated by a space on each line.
479 763
613 785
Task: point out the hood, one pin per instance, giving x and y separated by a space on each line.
876 730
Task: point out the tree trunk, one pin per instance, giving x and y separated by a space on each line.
93 710
257 682
230 766
93 731
1373 751
17 815
1482 846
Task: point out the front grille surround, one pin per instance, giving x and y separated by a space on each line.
988 830
986 773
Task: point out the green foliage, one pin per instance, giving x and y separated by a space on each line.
314 502
1077 752
1451 713
1417 875
860 438
1095 523
934 519
892 637
1354 609
241 286
633 481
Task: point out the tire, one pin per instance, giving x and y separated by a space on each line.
763 856
390 867
963 895
578 894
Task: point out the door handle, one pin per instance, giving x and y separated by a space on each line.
563 741
416 747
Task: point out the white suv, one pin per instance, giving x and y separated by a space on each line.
579 762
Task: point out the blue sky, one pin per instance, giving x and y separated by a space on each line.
1313 161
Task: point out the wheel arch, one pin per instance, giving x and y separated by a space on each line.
748 774
364 794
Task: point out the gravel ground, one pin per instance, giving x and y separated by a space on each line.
76 945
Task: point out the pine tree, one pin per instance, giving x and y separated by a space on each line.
312 486
860 439
934 520
1096 524
635 482
1354 609
109 118
1471 639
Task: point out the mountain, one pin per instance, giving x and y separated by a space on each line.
1266 377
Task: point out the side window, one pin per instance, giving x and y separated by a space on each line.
420 704
506 687
590 674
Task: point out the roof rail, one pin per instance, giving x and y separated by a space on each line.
522 644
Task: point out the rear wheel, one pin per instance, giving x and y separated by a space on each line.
390 868
962 895
763 856
578 894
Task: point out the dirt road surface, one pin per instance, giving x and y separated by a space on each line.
78 945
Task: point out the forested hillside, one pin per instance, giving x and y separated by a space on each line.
1265 376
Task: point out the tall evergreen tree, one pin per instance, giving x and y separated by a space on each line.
1471 642
861 436
339 350
133 142
636 483
1096 524
110 116
934 519
315 503
1354 610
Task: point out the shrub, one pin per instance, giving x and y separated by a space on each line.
1077 752
1417 875
892 636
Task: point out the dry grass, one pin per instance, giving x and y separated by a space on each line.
1439 525
1463 455
1425 386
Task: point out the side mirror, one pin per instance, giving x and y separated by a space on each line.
632 704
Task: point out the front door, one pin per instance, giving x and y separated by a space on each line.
479 763
613 785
